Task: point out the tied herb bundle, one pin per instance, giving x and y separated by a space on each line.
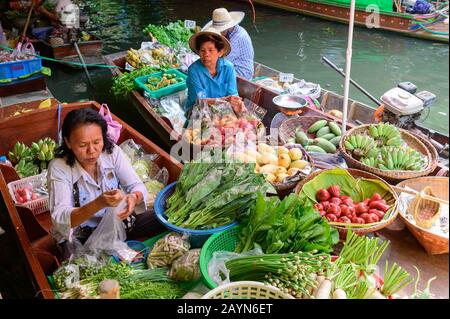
173 34
124 84
285 226
214 194
292 273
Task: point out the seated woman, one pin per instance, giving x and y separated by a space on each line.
84 180
211 76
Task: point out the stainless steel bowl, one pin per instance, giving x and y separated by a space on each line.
289 104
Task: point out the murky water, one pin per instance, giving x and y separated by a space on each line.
283 40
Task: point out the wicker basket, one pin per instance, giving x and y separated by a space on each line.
359 229
246 290
432 243
288 127
391 176
37 206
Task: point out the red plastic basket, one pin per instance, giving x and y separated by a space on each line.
37 206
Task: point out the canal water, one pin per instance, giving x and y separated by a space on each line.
283 40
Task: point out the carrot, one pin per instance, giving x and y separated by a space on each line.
324 290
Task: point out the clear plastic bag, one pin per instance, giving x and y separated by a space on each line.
131 149
110 236
217 270
186 267
167 249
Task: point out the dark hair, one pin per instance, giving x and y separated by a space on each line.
218 43
75 119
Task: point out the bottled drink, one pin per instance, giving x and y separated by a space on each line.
5 161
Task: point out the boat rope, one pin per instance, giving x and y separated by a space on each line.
65 62
430 31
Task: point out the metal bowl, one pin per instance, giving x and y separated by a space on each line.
289 104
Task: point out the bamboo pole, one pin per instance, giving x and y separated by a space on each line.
28 20
348 63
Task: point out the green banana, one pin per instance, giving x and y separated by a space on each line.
373 131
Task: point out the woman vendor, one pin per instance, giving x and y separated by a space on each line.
88 175
211 76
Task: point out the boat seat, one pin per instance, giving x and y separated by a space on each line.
43 245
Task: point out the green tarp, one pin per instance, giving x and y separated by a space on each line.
383 5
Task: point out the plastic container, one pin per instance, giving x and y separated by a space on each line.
37 206
197 237
179 86
19 69
5 161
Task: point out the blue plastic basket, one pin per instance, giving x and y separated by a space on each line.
197 237
180 86
17 69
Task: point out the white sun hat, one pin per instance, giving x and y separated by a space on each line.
223 20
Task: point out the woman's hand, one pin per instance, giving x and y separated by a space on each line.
237 103
111 198
132 200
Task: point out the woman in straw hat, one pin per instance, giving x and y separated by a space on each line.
242 53
211 76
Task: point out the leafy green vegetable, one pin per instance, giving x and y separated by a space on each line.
286 226
124 84
173 34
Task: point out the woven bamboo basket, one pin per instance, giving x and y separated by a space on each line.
360 229
246 290
283 187
391 176
432 243
288 127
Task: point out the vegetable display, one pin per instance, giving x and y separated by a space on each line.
124 83
285 226
167 249
212 194
382 147
173 34
340 208
159 57
324 137
186 267
155 83
278 164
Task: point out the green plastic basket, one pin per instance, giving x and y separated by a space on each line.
180 86
224 241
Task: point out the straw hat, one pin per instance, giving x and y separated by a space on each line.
213 32
222 19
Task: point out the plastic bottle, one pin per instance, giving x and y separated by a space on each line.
5 161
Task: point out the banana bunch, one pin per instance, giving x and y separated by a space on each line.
361 146
399 159
20 152
25 169
44 151
386 134
370 161
134 59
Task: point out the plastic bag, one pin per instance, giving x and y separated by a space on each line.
217 270
186 267
110 236
131 149
167 249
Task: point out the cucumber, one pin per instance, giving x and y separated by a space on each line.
335 128
315 149
317 126
325 145
335 140
301 137
323 131
328 136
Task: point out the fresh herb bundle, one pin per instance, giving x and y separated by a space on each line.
124 84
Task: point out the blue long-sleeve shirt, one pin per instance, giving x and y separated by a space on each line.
242 53
199 80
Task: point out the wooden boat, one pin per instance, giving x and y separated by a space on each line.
32 231
90 50
359 113
395 20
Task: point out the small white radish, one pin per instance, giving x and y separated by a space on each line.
339 294
319 280
377 295
324 290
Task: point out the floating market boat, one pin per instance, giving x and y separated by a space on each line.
392 15
359 113
33 231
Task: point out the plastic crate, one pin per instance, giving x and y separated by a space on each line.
37 206
224 241
18 69
179 86
197 237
